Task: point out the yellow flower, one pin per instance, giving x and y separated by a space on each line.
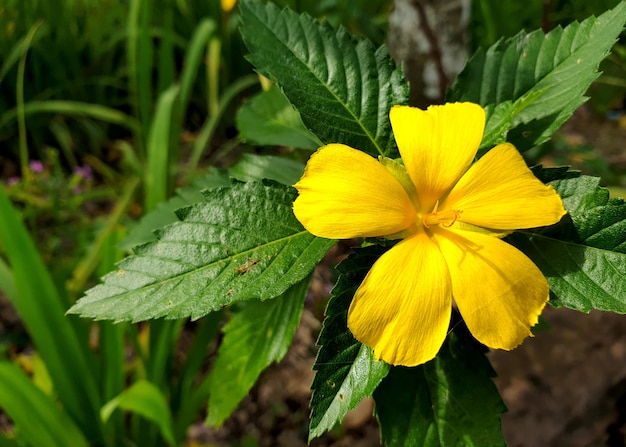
450 215
227 5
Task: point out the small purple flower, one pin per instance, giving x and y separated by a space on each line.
36 166
12 181
84 171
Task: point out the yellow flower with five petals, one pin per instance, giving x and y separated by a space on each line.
450 215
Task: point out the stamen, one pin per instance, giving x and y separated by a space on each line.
445 218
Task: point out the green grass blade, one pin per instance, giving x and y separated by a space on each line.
159 149
209 126
190 398
7 282
166 47
144 399
85 268
139 53
19 91
194 57
71 108
40 421
41 308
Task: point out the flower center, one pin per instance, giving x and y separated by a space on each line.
445 217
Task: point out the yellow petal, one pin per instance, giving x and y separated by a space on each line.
437 145
498 290
227 5
345 193
402 309
500 192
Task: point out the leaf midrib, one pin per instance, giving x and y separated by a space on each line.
338 100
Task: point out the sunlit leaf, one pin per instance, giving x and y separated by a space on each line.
242 243
553 70
269 119
342 87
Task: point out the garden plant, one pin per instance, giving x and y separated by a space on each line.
458 244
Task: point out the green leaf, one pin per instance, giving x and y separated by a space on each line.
449 401
580 277
588 271
250 167
598 220
144 399
342 87
257 167
584 257
242 243
269 119
165 212
57 338
544 76
38 418
257 335
346 369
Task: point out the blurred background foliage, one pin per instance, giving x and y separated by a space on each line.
107 107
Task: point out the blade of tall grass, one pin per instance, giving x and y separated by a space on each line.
5 441
19 92
139 50
112 346
20 48
37 416
187 405
40 306
145 399
7 282
71 108
64 139
194 57
213 75
159 149
85 268
209 126
166 47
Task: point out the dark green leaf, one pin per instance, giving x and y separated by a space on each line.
242 243
583 258
580 277
145 399
597 220
343 88
39 420
269 119
257 335
544 76
257 167
449 401
346 369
